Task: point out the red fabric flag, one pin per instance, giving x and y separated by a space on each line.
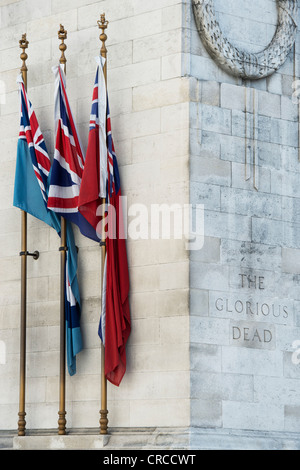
101 180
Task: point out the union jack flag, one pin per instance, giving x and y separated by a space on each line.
98 123
68 163
30 132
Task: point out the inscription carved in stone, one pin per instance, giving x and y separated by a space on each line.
241 63
252 314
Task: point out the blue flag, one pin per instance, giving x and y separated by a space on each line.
33 168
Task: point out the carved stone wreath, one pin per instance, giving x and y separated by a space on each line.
241 63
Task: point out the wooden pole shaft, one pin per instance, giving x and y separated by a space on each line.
102 23
62 383
62 35
22 413
22 422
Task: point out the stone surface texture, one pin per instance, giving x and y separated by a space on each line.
213 354
149 102
244 297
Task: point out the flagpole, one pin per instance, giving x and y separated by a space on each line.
22 422
62 35
102 23
23 253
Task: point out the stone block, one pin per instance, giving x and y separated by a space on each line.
199 302
131 27
206 194
88 14
144 331
144 278
173 275
174 329
209 331
206 358
269 104
203 68
154 147
262 416
277 131
39 29
155 46
274 84
243 177
161 94
250 203
289 110
172 17
250 255
210 171
171 66
266 231
161 357
58 7
206 413
210 145
290 260
291 418
174 117
236 227
252 361
155 410
215 119
273 233
210 93
175 301
12 13
236 97
134 75
242 123
210 386
137 124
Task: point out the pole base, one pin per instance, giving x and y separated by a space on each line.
103 421
21 423
62 423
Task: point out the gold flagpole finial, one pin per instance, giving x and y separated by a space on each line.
103 23
62 35
23 56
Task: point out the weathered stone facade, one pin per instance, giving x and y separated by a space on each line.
149 103
212 349
244 283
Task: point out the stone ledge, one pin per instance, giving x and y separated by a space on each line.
159 439
87 439
60 442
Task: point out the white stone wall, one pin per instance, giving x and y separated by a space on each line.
149 103
243 371
213 331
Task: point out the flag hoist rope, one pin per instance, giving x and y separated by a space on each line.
62 35
102 23
24 253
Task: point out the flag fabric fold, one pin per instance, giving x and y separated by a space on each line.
68 163
33 169
100 180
